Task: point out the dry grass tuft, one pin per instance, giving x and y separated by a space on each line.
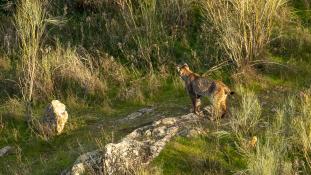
244 27
13 107
30 25
143 31
300 111
270 154
66 65
284 145
113 70
247 116
268 159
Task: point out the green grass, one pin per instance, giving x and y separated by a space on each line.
200 155
89 34
303 10
88 128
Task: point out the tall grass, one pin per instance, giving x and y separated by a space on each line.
76 71
300 110
30 25
271 154
246 118
244 27
284 142
149 36
72 66
143 34
268 159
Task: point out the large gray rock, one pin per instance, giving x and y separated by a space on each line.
54 119
137 149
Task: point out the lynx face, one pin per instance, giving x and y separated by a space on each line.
183 71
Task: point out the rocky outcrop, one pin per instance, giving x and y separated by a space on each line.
54 119
5 150
137 149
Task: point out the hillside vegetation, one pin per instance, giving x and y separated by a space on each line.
105 59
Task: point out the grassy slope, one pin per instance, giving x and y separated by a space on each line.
88 128
210 155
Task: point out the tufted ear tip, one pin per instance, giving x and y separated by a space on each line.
186 66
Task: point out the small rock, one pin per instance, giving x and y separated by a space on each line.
136 114
195 132
54 119
274 110
5 150
146 110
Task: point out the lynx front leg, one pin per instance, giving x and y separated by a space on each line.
196 103
197 106
193 101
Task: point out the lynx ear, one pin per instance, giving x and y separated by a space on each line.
185 64
178 68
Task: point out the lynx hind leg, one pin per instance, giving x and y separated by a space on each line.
219 107
224 108
217 111
223 105
228 111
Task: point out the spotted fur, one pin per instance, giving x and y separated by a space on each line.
198 87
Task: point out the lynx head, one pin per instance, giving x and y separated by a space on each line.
183 70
